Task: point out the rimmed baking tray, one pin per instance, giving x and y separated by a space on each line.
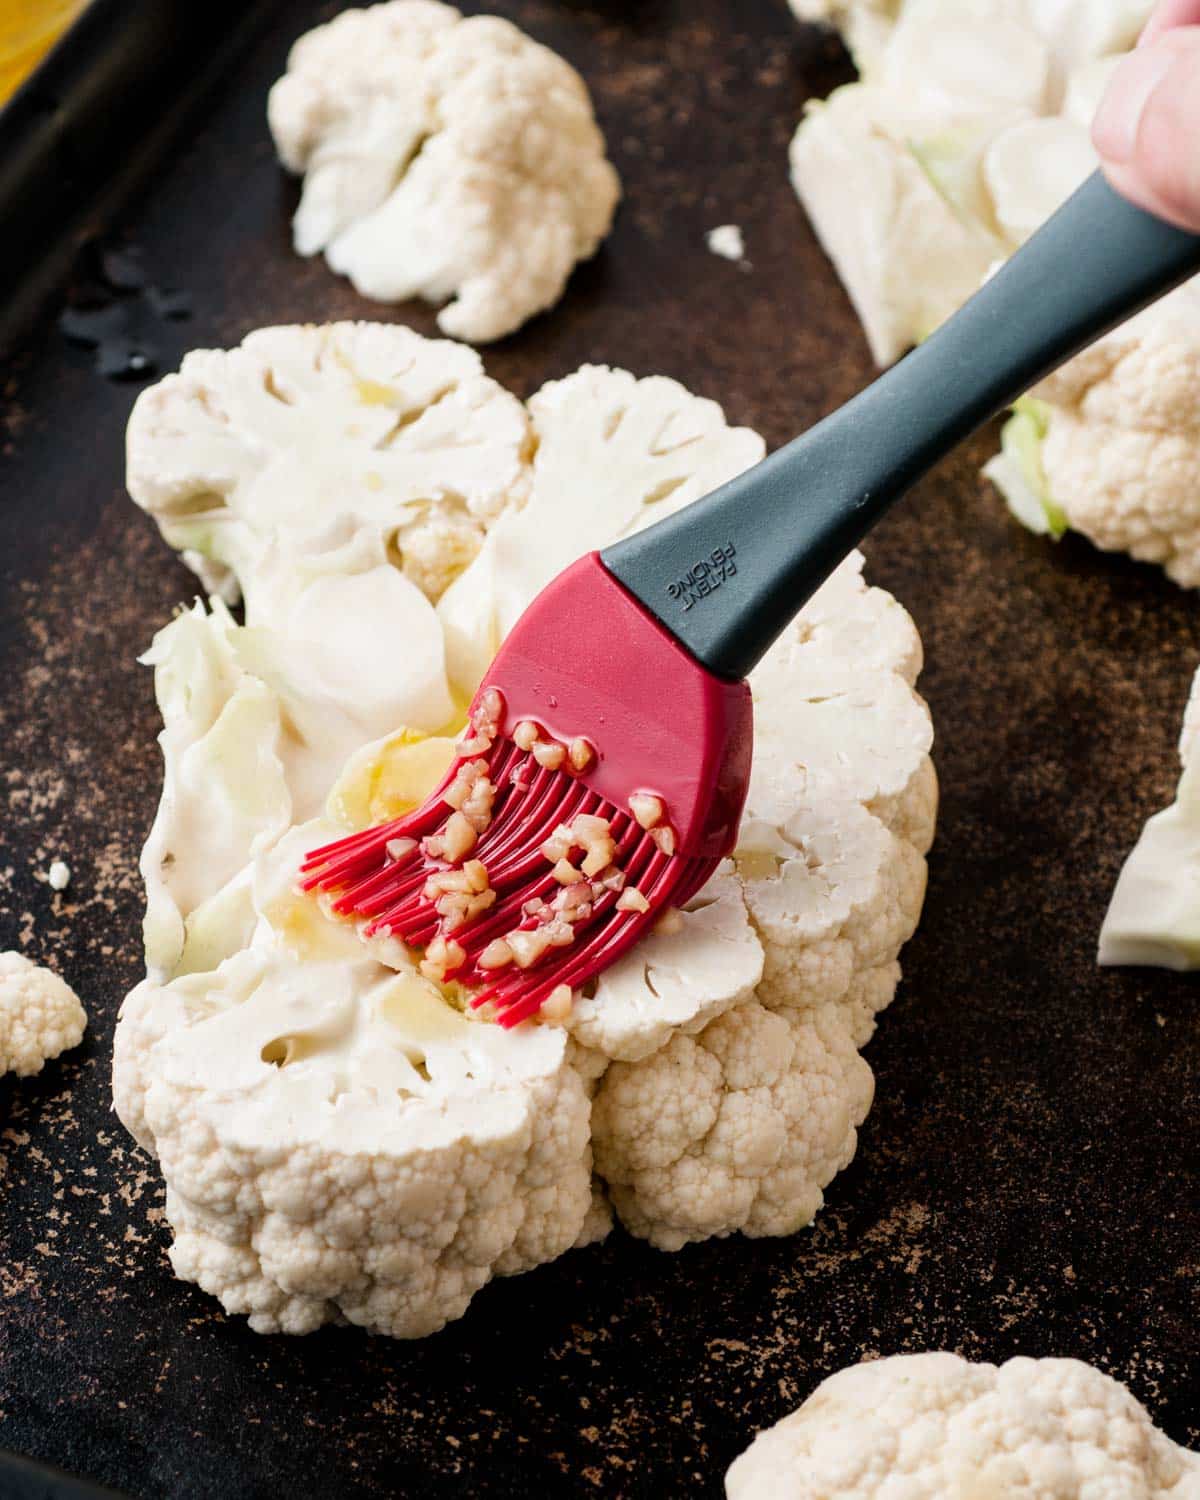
1028 1178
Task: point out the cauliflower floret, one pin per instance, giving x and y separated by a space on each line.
740 1127
722 1055
1154 915
1111 443
443 158
935 1427
311 451
40 1016
339 1141
831 849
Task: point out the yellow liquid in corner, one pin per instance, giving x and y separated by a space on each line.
28 29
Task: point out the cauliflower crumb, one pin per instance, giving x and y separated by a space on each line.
727 242
443 158
40 1016
58 877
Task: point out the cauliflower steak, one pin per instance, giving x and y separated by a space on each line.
340 1138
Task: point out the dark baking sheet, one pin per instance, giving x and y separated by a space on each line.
1027 1180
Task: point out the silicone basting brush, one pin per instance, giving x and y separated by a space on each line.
605 766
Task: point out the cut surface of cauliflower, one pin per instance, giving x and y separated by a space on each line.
967 129
339 1138
309 455
937 1427
443 158
1153 918
40 1016
339 1141
919 180
620 453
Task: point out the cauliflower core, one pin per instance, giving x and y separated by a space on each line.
40 1016
443 158
935 1427
338 1137
1154 916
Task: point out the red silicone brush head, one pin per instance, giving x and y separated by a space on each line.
599 783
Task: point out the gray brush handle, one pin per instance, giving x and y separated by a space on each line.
764 542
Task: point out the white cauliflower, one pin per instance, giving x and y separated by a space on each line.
313 454
739 1127
338 1141
40 1016
323 1159
613 453
1110 445
967 129
1154 915
443 158
936 1427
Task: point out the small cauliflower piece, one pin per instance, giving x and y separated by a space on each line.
443 158
727 241
936 1427
1153 918
40 1016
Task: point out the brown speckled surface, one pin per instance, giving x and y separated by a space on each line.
1027 1181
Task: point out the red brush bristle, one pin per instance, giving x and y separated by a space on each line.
530 803
591 702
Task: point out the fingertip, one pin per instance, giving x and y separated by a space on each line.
1147 129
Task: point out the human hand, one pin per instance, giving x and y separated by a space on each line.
1147 129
